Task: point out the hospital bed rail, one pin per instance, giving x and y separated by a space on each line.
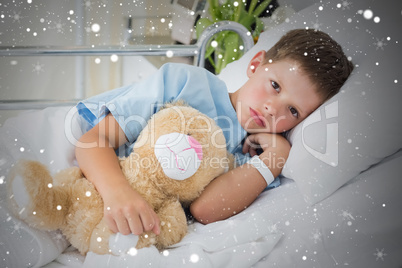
197 51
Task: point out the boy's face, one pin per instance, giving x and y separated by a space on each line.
276 97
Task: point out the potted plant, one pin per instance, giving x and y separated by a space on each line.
225 47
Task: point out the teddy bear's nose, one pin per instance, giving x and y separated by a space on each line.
196 146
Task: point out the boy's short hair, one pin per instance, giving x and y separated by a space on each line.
320 57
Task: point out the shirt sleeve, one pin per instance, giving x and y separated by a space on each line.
132 105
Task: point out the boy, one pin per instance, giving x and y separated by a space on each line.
286 83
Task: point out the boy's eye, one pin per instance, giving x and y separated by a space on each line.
275 86
294 112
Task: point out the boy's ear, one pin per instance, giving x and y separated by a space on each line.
255 62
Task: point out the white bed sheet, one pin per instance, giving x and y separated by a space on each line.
360 225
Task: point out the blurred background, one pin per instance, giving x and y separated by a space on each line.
97 23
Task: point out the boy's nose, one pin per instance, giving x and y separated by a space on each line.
270 109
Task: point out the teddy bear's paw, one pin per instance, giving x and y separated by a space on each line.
20 196
146 239
122 244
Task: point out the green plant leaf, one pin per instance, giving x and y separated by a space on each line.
259 27
230 51
261 8
201 25
211 60
247 20
213 9
219 38
238 11
227 12
253 4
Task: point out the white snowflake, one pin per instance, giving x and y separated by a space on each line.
346 5
38 68
59 27
316 236
273 228
88 5
379 254
57 236
194 258
231 223
17 17
254 246
347 215
16 227
380 44
316 25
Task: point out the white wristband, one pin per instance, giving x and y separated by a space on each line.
262 168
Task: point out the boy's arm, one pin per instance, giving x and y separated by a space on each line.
125 211
235 190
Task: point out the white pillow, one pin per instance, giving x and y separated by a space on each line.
360 125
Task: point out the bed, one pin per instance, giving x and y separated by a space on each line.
339 203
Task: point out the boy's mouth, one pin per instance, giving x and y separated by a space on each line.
258 119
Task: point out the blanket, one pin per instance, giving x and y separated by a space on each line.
239 242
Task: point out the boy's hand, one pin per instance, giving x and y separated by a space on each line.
264 141
275 150
126 212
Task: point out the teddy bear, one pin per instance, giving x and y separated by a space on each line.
176 155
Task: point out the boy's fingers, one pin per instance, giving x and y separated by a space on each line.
148 220
135 225
123 226
250 146
253 152
156 228
247 145
111 224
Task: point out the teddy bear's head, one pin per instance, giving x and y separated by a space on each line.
181 150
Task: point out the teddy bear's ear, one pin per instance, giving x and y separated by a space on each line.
174 103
